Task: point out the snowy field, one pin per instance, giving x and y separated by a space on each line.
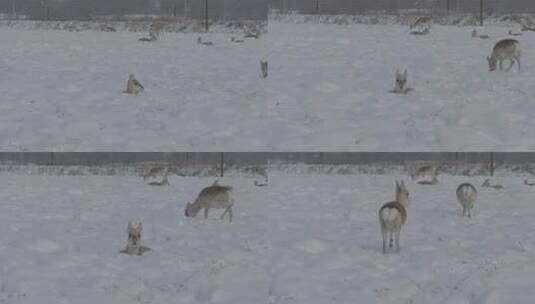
302 239
62 91
328 88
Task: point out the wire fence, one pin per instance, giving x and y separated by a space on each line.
240 9
259 163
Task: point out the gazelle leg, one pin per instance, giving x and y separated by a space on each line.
223 214
384 240
230 214
510 65
501 65
518 61
205 212
397 240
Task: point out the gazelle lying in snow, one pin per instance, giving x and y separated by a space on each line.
487 184
133 86
424 175
400 85
466 195
156 175
510 32
233 39
392 217
215 196
134 246
507 49
475 35
207 43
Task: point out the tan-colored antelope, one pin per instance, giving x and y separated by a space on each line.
392 217
216 197
133 86
507 49
466 195
134 246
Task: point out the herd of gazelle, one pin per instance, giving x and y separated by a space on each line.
392 215
506 49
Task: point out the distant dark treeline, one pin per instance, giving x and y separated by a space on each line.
245 9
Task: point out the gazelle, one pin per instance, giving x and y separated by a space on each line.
466 195
215 196
133 86
392 217
507 49
134 246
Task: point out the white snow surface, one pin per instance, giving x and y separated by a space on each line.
332 90
62 91
301 239
328 89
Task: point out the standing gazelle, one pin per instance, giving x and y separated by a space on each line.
507 49
393 216
215 196
466 195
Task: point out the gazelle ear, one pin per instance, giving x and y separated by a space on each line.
403 185
405 73
129 225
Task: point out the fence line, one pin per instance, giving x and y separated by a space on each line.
487 163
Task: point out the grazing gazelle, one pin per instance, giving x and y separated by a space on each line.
466 195
392 217
215 196
507 49
134 246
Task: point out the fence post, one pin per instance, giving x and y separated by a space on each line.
206 15
481 12
222 165
491 163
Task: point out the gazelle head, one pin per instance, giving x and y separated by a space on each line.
402 194
188 206
134 233
493 62
401 79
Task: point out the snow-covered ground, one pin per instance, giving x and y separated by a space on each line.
302 239
62 91
328 89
